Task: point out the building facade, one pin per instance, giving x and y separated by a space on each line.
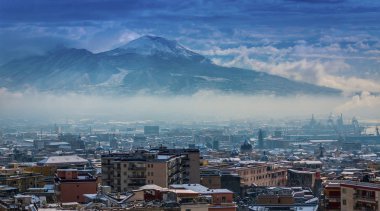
70 185
21 180
260 174
128 171
359 196
332 195
308 179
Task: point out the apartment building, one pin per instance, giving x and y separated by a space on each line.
310 179
332 194
128 171
17 178
260 174
70 185
359 196
215 178
221 199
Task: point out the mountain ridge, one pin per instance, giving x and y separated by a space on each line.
150 64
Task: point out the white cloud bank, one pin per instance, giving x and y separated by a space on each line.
324 66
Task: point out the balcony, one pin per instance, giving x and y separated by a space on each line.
136 184
224 205
363 207
175 181
172 173
371 199
332 198
136 168
136 176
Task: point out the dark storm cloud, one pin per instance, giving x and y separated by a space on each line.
70 10
319 1
145 13
100 10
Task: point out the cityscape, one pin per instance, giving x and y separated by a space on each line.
190 105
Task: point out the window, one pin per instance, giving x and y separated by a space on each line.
343 190
223 199
344 202
188 209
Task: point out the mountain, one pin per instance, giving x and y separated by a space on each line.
148 64
151 45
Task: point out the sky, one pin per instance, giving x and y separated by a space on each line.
334 43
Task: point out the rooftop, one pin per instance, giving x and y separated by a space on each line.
199 188
68 159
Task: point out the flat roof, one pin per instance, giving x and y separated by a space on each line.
69 159
309 161
323 141
163 157
295 207
361 184
303 172
199 188
151 187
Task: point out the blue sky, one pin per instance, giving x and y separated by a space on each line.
333 43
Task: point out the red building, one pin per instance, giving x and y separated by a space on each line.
221 199
332 196
71 185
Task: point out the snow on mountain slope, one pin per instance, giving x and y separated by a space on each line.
116 79
149 63
150 45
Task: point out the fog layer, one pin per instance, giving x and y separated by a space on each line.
204 105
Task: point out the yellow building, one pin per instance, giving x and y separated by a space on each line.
261 174
359 196
21 180
161 167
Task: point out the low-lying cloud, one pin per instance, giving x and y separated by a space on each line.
329 73
204 105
